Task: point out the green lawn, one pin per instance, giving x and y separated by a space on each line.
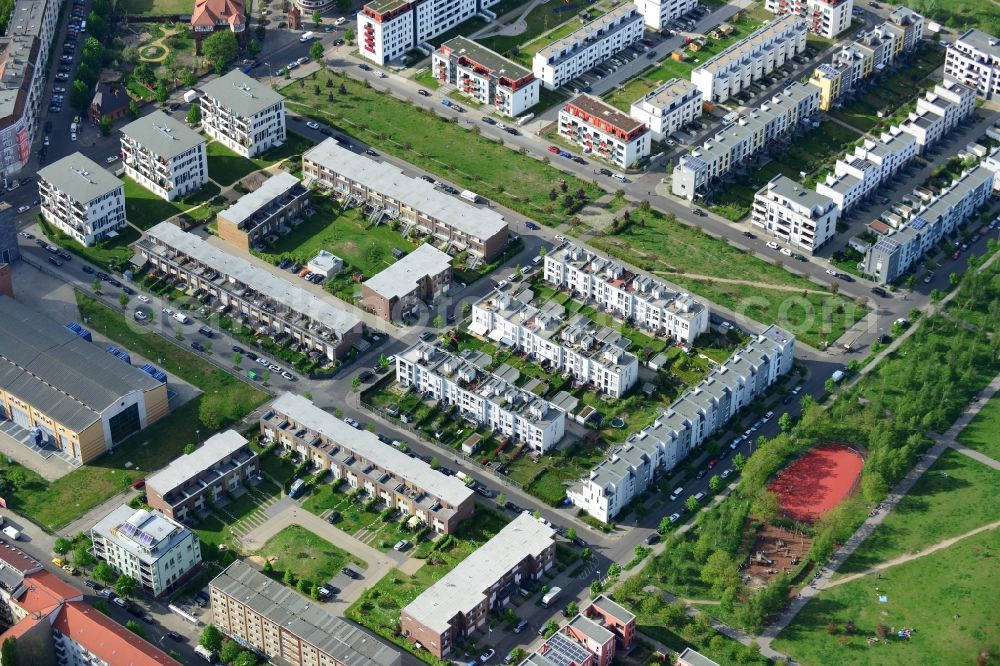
306 555
950 598
959 16
542 18
145 209
225 166
155 7
445 148
293 147
983 433
112 255
623 96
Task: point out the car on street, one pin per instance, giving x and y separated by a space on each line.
772 245
353 423
674 517
879 291
23 208
423 93
651 538
532 225
832 272
747 234
486 656
118 601
334 517
725 475
111 159
521 626
312 124
370 153
401 545
785 251
350 573
174 636
197 346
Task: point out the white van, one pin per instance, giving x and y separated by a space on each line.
618 176
182 318
12 532
306 36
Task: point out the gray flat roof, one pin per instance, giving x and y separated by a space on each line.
462 588
59 373
797 193
400 279
980 41
696 658
192 464
162 134
23 37
250 203
592 31
145 534
241 94
664 95
491 60
480 223
590 629
753 42
613 609
304 618
80 178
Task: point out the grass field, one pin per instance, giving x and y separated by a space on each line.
155 7
983 433
110 254
542 18
225 166
950 598
145 209
959 16
326 497
306 555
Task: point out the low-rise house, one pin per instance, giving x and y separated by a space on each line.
212 15
396 292
111 101
264 212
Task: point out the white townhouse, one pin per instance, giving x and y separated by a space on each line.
750 59
244 114
588 46
974 60
668 107
644 301
938 112
827 18
164 155
483 398
792 212
82 199
486 76
658 13
604 131
681 428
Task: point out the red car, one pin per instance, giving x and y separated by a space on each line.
554 149
958 253
712 463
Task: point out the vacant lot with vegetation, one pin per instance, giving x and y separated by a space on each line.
307 556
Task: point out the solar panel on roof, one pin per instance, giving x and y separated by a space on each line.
919 223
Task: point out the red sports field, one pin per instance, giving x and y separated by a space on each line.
818 481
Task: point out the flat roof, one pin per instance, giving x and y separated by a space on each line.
664 95
752 42
493 61
145 534
590 629
80 178
162 134
390 181
241 94
190 465
400 279
981 41
609 114
562 650
304 618
589 31
17 66
248 204
615 610
367 445
797 193
463 588
694 658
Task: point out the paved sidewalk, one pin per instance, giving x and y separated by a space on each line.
976 455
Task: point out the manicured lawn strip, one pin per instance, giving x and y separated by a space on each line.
983 433
948 597
444 148
145 209
306 555
623 96
225 166
155 7
110 254
426 78
294 145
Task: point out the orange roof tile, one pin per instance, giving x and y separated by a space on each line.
44 592
107 639
215 12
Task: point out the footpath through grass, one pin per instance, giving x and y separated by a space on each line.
307 556
983 433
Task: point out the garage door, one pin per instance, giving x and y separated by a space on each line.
20 417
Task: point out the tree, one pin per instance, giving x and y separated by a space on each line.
8 653
721 572
189 76
595 588
614 571
230 650
82 557
785 422
317 18
572 609
316 52
874 486
133 109
245 658
220 48
104 573
144 73
62 546
571 534
586 554
356 383
161 92
438 322
237 358
104 126
136 629
96 26
435 463
665 525
189 448
96 285
253 48
501 499
289 577
123 300
714 483
211 411
765 505
79 96
126 586
691 504
349 35
194 114
829 385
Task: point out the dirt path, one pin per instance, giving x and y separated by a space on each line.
752 283
161 43
902 559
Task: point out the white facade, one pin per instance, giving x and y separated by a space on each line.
590 45
974 60
245 115
164 156
792 212
750 59
640 299
81 199
486 76
658 13
483 398
938 112
668 107
827 18
604 131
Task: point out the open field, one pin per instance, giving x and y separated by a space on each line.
225 166
983 433
155 7
306 555
145 209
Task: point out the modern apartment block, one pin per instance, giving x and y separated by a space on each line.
387 29
698 414
668 107
24 66
461 601
974 60
158 552
792 212
486 76
214 470
269 304
243 114
658 13
826 18
591 638
592 354
604 131
82 199
642 300
588 46
363 461
483 398
938 112
898 251
750 59
420 207
164 156
740 143
264 212
691 657
285 627
396 292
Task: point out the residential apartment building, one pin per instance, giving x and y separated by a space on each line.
156 551
748 60
164 156
910 23
396 292
269 304
284 627
592 354
668 107
604 131
387 29
792 212
207 475
642 300
588 46
974 60
263 212
420 207
81 199
691 657
938 112
742 142
460 602
826 18
486 76
242 113
899 250
72 397
698 414
658 13
358 457
591 638
829 78
25 48
482 397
